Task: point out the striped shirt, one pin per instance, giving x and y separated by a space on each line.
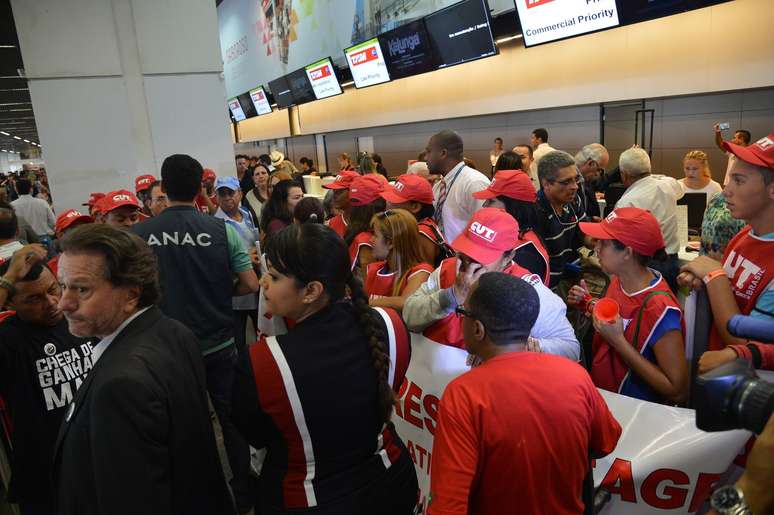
316 410
560 233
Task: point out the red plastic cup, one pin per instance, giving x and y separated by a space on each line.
606 310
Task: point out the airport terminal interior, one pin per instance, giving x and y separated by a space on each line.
386 257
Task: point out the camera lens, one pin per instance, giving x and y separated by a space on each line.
753 404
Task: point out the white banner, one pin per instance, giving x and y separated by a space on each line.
662 464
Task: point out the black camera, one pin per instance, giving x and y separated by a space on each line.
733 397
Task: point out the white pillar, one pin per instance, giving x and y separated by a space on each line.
118 85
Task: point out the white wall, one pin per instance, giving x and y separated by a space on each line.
118 85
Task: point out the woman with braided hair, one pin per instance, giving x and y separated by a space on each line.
320 397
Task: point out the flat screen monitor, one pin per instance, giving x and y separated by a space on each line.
635 11
236 109
260 101
247 105
367 64
697 204
281 90
543 21
322 77
407 50
300 87
460 33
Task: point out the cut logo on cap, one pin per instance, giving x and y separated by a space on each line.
399 186
120 197
612 216
483 231
764 143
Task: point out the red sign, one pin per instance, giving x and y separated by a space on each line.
320 73
535 3
369 54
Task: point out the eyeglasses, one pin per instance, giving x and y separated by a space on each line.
462 312
567 182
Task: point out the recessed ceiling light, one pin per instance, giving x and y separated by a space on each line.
17 137
26 141
4 133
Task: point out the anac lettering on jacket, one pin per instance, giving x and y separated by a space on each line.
176 238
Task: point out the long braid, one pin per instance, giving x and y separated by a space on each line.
371 325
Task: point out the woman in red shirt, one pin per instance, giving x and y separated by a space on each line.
641 353
400 270
365 201
415 194
512 190
340 187
345 163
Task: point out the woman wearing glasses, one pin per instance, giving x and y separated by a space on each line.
319 398
400 269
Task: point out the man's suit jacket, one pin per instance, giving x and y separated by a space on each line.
137 439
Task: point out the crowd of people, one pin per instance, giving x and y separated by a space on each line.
166 284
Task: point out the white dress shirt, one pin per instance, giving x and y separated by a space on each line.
37 213
105 342
659 195
540 151
461 183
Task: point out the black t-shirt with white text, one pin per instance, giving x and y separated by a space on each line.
41 369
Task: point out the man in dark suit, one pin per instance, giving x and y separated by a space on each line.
137 438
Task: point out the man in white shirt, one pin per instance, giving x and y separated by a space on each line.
9 233
454 202
539 141
35 210
659 195
741 137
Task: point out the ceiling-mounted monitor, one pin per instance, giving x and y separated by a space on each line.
260 101
407 50
281 91
247 105
236 109
544 21
461 32
367 64
300 87
322 77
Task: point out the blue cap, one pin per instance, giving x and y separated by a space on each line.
227 181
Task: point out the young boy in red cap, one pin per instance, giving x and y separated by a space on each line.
365 201
340 188
486 244
513 191
120 208
93 199
414 193
70 219
744 282
207 201
641 353
142 187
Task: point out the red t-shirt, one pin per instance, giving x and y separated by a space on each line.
201 205
380 284
338 224
361 240
505 440
747 262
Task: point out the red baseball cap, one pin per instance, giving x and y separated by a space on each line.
408 188
70 217
490 232
760 153
632 226
208 175
343 180
93 198
143 182
116 199
513 184
364 189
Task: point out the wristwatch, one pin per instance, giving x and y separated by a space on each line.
7 285
729 500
